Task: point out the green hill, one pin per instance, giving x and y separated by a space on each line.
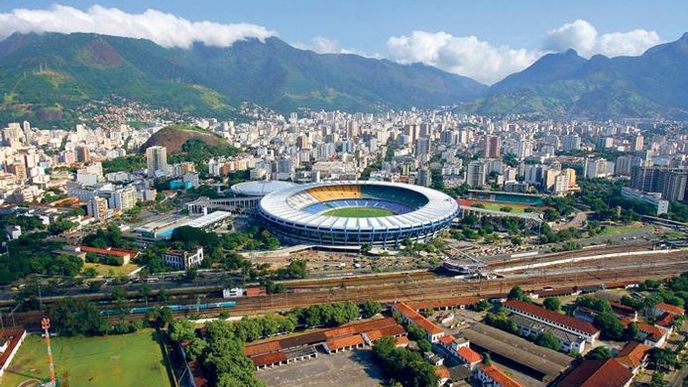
174 137
45 77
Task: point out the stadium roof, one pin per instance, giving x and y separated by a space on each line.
210 219
260 188
439 207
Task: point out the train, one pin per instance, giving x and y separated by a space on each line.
173 308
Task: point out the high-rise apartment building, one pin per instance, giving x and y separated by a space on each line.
424 177
571 142
476 174
156 158
493 147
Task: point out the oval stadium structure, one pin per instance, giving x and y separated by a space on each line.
357 212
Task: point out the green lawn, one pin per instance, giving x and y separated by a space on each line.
358 212
125 360
495 206
620 230
110 270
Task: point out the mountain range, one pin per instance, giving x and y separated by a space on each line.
654 84
45 77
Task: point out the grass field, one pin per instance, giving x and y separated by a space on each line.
358 212
497 206
620 230
124 360
111 270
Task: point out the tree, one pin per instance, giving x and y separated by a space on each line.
90 272
482 305
663 359
487 359
370 309
145 292
552 303
160 316
599 353
593 303
548 340
407 367
658 379
610 326
632 331
190 274
516 293
424 345
182 329
76 316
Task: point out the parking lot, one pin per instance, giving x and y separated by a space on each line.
349 368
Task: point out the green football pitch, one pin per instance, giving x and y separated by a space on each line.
358 212
133 359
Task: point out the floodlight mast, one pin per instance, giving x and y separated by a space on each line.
45 324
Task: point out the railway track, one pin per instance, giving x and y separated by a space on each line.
420 285
569 254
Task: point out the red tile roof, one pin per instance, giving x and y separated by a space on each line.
598 373
268 358
401 341
666 321
260 348
654 333
114 252
360 327
442 373
443 302
13 336
418 319
255 291
498 376
446 340
392 330
552 316
344 342
673 309
632 354
622 309
469 355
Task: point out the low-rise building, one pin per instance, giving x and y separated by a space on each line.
634 356
491 376
663 307
597 373
653 335
432 331
183 259
568 342
554 319
11 340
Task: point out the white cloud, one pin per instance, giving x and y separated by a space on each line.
467 56
163 28
321 45
489 63
584 38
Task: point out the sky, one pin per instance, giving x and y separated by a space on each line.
485 40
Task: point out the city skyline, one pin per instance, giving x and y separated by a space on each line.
482 41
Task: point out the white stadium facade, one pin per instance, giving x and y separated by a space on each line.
303 213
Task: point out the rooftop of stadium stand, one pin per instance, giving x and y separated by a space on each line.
260 188
417 204
210 219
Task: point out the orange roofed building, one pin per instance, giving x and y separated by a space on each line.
489 375
432 331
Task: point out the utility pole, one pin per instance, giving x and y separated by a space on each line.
45 324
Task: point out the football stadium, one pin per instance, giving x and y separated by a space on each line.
357 212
